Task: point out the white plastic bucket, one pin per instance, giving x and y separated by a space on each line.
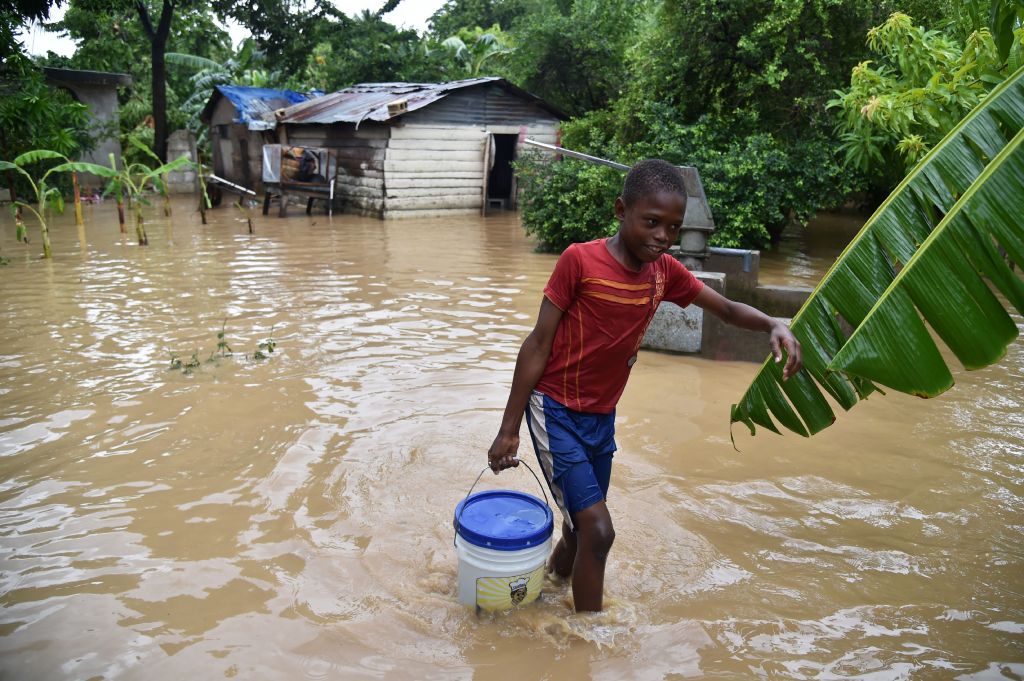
502 538
500 580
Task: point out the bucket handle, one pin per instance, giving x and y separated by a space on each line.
458 518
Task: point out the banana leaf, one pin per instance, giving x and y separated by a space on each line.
927 251
945 281
83 167
37 155
191 60
176 164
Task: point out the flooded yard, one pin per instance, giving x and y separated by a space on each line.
290 517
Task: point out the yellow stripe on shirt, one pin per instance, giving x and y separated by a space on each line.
618 299
616 284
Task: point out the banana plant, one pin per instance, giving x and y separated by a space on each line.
79 220
130 181
473 55
46 197
136 177
115 187
160 178
927 257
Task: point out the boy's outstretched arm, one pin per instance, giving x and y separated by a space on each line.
530 365
747 317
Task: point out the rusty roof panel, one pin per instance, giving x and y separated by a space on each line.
369 101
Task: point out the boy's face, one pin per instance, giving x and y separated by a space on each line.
649 226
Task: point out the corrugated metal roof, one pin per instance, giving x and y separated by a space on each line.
87 77
369 101
255 106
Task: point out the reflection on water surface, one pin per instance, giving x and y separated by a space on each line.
291 517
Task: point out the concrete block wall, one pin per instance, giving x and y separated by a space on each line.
741 275
676 329
691 331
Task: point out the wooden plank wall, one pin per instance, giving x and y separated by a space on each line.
428 162
432 170
434 163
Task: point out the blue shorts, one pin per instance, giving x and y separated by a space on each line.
575 451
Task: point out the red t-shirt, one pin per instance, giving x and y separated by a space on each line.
606 311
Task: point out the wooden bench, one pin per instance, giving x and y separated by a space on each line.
312 191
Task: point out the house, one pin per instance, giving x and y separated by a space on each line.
241 121
98 91
412 150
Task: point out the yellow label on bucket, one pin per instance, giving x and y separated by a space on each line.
503 593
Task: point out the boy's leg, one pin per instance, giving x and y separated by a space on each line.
594 537
575 453
564 554
586 489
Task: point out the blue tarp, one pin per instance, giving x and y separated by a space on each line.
255 106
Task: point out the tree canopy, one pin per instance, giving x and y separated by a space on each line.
757 93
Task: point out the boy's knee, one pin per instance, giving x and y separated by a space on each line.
605 537
598 535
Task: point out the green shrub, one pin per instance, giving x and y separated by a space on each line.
566 201
918 86
756 182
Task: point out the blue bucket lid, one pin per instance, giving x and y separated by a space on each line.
503 520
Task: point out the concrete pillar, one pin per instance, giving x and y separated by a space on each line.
698 223
181 143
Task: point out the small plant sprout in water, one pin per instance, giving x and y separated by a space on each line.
222 346
246 208
184 367
222 350
265 348
204 198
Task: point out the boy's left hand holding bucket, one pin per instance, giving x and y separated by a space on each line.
503 452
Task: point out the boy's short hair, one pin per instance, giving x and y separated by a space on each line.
651 176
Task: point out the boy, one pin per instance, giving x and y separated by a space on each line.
573 366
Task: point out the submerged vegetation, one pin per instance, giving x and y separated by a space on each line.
46 197
130 183
264 349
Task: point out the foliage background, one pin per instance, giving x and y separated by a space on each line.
786 107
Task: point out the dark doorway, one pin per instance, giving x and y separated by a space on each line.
499 183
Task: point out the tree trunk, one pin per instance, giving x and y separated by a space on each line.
158 46
10 183
160 100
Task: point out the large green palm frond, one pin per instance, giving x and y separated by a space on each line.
927 251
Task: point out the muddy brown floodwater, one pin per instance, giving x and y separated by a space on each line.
290 518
